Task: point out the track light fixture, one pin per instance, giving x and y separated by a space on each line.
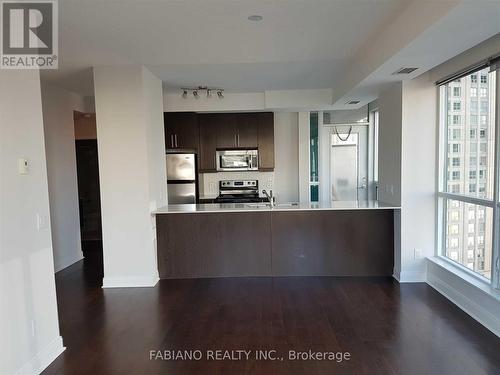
196 91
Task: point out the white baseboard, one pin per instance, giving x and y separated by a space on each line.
470 302
43 358
410 276
131 282
59 266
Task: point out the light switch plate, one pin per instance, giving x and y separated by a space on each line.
23 166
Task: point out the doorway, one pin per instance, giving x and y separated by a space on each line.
349 163
89 197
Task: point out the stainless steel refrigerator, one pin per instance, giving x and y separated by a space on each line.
181 178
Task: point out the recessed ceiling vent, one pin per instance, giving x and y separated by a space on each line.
352 102
405 71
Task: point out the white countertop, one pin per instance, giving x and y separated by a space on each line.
261 207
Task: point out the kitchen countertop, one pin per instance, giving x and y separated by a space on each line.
260 207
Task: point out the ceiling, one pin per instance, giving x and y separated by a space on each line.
349 46
299 44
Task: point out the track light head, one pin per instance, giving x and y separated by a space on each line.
195 94
209 93
220 94
185 94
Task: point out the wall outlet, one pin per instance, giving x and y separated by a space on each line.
417 253
42 221
212 187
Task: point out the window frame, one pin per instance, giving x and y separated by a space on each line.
443 196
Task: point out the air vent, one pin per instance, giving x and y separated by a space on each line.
352 102
405 71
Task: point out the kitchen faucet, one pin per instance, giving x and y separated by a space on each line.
269 197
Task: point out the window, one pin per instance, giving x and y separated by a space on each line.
473 120
472 214
484 106
466 194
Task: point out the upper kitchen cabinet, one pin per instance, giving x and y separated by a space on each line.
266 141
208 142
247 130
181 130
226 130
237 130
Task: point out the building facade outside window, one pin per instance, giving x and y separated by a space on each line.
466 195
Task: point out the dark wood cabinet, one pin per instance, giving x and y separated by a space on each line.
208 142
181 130
276 243
247 130
266 141
237 130
226 130
205 133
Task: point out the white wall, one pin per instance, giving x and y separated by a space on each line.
58 106
389 157
286 155
418 179
132 171
27 287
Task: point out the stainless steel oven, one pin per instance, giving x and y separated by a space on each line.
238 160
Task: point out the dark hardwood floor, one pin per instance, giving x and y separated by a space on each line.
387 328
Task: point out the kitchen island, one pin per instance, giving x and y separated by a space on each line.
253 239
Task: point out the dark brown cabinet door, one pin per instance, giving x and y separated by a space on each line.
181 130
247 130
266 141
208 143
226 130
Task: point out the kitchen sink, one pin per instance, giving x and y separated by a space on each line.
257 204
290 204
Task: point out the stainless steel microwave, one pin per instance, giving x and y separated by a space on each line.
238 160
